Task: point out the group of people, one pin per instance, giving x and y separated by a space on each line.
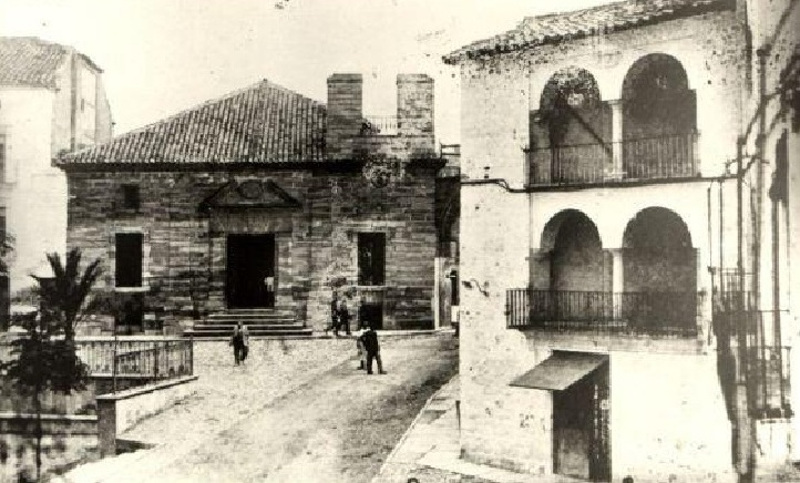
340 316
368 348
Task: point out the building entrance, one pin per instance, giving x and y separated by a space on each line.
580 428
250 271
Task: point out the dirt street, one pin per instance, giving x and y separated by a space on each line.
338 424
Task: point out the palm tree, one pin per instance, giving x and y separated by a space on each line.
46 361
64 297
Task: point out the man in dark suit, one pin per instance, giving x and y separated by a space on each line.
370 340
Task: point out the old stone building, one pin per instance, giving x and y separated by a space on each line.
599 214
51 100
264 201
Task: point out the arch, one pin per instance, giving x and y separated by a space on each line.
659 119
658 67
658 253
571 131
576 254
553 227
573 84
650 226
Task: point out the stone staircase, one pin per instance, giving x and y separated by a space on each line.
279 321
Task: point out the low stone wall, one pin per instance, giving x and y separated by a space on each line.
121 410
66 439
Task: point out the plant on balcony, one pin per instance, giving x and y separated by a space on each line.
44 358
566 91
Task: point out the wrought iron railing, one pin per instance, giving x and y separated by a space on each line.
146 358
574 164
660 157
732 290
768 370
672 156
645 313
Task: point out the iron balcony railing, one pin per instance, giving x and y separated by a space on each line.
767 371
732 290
645 313
144 358
661 157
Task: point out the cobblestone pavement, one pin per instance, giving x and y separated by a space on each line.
297 411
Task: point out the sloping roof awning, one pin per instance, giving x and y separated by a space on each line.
560 371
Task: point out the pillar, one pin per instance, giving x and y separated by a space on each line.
617 280
616 137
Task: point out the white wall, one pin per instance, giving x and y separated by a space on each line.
36 211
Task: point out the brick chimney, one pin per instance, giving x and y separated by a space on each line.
344 114
415 111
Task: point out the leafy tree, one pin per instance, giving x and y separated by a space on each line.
45 359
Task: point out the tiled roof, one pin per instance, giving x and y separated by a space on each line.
28 61
263 123
554 28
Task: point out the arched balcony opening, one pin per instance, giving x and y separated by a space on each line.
659 121
645 287
570 134
576 260
570 280
659 272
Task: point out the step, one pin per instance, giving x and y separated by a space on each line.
250 328
245 318
277 310
294 331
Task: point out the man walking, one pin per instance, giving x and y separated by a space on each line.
370 341
240 342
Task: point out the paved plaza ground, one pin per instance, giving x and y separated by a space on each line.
297 411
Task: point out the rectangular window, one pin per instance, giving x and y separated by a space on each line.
130 196
128 260
371 258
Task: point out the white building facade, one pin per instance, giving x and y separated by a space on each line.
599 215
51 100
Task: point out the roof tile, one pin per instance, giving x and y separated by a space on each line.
263 123
552 28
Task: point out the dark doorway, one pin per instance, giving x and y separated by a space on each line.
250 281
371 258
371 314
581 441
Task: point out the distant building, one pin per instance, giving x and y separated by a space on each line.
259 204
51 100
603 332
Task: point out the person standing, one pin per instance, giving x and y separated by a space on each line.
361 353
344 317
245 341
237 341
370 341
334 315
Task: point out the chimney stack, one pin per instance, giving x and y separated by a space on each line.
415 110
344 114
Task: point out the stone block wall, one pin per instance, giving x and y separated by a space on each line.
184 248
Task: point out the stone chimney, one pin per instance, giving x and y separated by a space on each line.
344 114
415 111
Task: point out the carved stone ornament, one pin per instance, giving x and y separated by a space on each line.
382 171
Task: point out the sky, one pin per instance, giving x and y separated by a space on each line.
162 56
